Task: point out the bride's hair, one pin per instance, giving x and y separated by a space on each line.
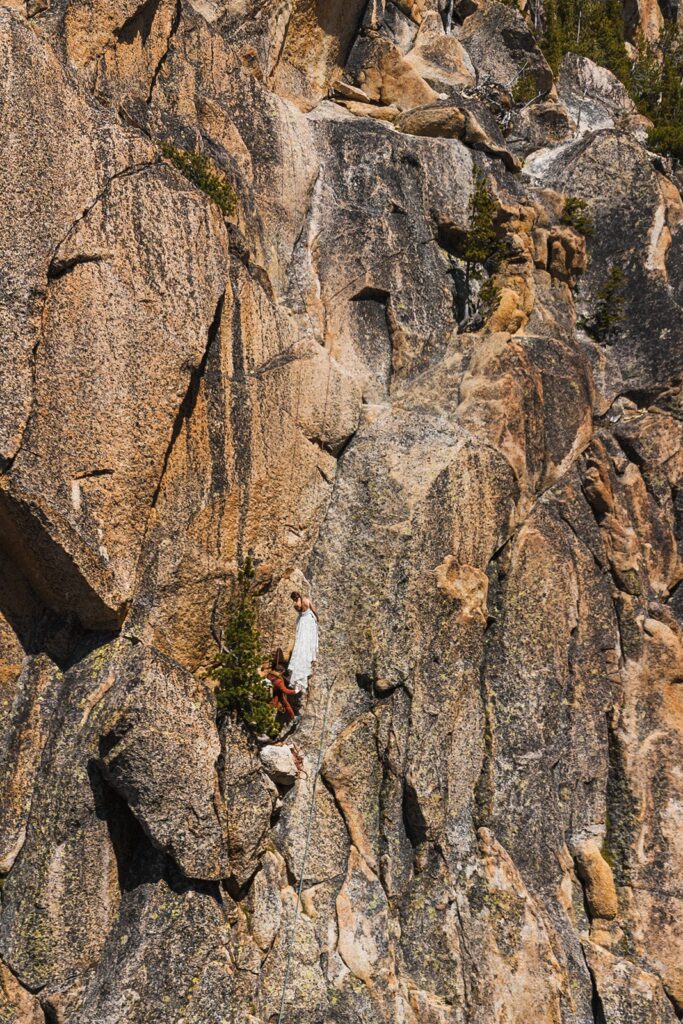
307 603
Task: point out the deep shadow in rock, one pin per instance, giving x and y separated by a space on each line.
39 628
413 819
369 309
137 862
49 570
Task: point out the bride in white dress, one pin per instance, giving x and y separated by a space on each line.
305 649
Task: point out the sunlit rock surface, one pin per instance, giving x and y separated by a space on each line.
487 512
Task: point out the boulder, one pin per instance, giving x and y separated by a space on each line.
279 764
438 58
595 98
129 765
378 113
595 873
379 68
158 749
434 120
502 47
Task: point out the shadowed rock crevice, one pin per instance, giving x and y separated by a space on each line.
597 1008
139 25
137 863
38 628
164 57
375 326
58 268
414 822
189 402
50 570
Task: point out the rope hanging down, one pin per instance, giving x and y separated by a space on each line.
294 456
311 816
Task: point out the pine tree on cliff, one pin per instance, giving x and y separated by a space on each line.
241 691
482 249
609 309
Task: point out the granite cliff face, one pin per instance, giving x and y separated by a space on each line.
486 507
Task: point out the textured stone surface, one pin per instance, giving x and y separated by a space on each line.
596 99
501 46
135 734
485 507
250 798
136 302
279 764
17 1006
73 152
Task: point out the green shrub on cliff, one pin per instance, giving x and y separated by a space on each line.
609 310
609 307
198 169
241 691
482 249
575 215
525 89
666 139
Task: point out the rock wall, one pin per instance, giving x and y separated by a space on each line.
487 511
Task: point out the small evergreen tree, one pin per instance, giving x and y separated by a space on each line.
609 37
591 28
482 249
525 89
241 691
609 307
575 214
667 139
553 39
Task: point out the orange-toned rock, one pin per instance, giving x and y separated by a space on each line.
399 401
595 873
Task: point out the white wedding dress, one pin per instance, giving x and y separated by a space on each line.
305 651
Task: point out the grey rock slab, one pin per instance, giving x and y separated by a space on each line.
136 729
250 798
595 97
629 221
279 763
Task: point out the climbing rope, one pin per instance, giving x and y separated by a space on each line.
294 451
295 448
311 816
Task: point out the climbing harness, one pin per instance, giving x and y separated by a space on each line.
311 816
